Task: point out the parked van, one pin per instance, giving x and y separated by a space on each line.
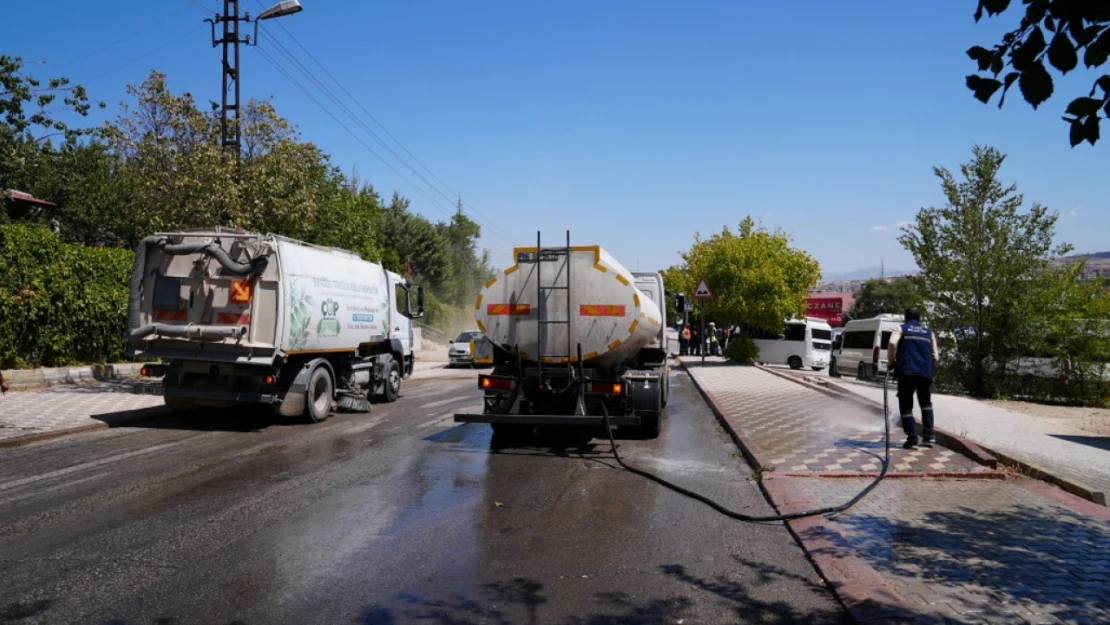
802 343
863 344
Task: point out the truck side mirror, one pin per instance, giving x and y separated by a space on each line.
420 301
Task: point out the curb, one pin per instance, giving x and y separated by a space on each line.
31 379
856 584
945 438
1074 487
145 414
975 474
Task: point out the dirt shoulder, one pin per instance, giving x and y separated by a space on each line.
1093 420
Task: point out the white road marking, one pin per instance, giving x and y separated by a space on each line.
84 466
54 488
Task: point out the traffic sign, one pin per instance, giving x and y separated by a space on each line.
689 306
703 291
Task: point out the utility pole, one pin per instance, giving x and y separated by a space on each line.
230 134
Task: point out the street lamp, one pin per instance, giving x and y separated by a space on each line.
229 21
281 9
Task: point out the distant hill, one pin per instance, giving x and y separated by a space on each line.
866 274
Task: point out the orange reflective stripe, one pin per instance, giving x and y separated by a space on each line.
509 309
169 315
601 310
236 318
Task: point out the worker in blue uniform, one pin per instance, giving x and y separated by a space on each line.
913 355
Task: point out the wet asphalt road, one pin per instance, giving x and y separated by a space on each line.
395 517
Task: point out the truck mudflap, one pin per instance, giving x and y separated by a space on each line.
536 419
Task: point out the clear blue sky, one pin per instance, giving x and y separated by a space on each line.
632 124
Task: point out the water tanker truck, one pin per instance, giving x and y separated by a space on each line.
575 336
243 318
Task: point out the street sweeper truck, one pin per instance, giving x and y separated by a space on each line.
244 318
576 337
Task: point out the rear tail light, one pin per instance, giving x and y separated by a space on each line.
152 371
875 356
491 383
605 388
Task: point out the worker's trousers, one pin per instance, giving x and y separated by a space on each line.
908 385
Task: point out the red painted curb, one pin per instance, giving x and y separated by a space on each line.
857 585
1075 502
977 474
756 457
944 438
37 437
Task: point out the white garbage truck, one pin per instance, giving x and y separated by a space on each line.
575 337
237 318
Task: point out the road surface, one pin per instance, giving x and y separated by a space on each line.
395 517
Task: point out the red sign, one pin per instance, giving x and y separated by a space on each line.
831 309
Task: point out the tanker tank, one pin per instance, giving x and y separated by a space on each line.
550 302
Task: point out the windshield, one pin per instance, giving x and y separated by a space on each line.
467 337
821 334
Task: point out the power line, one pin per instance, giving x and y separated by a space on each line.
145 55
375 120
291 58
115 43
494 229
277 66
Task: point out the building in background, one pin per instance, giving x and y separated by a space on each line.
829 306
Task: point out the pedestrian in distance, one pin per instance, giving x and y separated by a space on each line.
913 356
695 342
712 338
684 341
724 338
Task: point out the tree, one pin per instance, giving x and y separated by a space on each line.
878 296
418 241
181 177
758 279
1055 31
32 122
982 267
469 269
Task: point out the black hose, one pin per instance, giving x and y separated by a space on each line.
134 304
213 249
747 517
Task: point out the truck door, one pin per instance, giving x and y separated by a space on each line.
400 326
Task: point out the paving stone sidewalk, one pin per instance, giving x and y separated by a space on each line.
802 431
70 406
974 551
1069 453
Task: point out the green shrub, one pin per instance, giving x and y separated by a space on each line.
60 304
741 349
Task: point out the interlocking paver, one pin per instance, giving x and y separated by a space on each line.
978 550
1069 453
62 407
802 430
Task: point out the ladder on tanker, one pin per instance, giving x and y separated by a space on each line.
543 292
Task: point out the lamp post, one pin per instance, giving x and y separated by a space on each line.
230 134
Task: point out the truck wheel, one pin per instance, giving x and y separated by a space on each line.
794 362
666 389
392 385
861 372
649 427
318 396
834 372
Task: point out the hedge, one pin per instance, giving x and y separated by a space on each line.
60 304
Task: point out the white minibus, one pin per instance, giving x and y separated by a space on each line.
862 349
802 343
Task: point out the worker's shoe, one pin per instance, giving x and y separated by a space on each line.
910 443
927 442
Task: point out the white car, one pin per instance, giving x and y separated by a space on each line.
458 354
862 348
